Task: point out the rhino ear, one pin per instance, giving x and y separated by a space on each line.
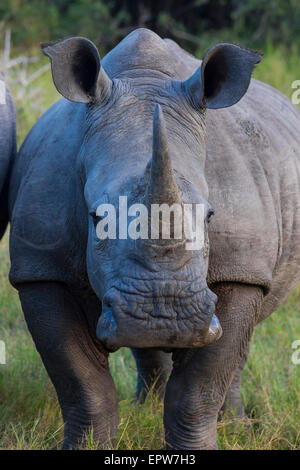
76 69
223 77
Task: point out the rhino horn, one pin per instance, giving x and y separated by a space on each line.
162 187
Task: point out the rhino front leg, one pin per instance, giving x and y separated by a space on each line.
201 377
233 404
153 367
77 364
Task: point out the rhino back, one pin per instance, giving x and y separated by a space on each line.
253 174
44 201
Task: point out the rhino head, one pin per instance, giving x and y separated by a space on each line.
144 140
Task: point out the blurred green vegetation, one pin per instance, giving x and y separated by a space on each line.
193 23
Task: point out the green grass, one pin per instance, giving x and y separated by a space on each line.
29 414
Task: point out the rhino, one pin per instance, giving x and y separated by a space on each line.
153 123
7 149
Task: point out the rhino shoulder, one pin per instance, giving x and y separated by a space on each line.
253 168
44 197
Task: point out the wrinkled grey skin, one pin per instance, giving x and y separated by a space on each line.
243 161
7 149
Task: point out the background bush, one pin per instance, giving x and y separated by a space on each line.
192 22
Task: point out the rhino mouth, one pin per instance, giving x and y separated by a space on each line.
169 321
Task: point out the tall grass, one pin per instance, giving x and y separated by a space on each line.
29 413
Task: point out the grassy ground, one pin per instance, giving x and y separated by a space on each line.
29 414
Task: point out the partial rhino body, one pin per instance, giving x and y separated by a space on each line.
155 124
7 149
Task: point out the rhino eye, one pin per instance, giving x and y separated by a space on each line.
210 213
96 218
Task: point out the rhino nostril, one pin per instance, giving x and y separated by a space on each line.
106 303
